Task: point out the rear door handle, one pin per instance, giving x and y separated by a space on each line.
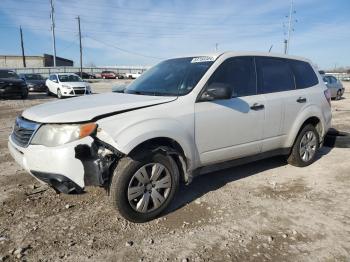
257 106
301 100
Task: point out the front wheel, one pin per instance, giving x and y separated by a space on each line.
142 187
59 94
25 94
305 147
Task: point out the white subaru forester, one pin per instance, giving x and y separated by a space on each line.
183 117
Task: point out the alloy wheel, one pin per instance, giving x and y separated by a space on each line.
308 146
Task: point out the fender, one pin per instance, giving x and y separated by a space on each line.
309 111
131 136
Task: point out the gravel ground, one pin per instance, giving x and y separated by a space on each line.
263 211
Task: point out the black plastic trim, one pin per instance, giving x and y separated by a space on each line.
59 182
240 161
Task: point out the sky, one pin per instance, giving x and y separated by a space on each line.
144 32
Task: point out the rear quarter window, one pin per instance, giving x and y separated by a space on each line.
304 74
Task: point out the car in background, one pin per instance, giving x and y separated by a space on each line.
335 86
346 78
35 82
85 75
67 85
121 75
133 75
108 75
11 85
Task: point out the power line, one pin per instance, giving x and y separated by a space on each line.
124 50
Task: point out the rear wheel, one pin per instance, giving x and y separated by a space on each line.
142 187
48 93
338 96
305 147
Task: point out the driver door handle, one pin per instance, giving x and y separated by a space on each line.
257 106
301 100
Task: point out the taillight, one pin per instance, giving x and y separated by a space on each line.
327 94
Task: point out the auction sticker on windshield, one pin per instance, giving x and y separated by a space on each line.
201 59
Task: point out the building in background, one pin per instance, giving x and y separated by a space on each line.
16 61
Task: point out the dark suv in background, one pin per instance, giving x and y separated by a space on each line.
12 85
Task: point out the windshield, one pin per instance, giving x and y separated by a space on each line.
33 77
172 77
8 74
69 78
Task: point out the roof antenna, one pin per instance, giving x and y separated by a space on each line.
270 48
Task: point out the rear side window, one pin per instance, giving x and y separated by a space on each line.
304 74
274 75
239 74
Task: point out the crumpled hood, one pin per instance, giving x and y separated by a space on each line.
90 107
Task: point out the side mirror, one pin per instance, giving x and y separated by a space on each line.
217 91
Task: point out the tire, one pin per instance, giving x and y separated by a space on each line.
338 96
25 94
307 141
59 94
103 77
48 93
335 138
141 206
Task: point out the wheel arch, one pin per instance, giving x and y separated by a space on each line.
170 147
309 116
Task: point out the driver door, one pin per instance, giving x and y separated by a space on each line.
231 128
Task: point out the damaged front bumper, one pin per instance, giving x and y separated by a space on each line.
70 167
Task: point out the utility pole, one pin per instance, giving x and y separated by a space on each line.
216 47
287 41
81 49
53 32
22 46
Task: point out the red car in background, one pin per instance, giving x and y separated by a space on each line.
108 75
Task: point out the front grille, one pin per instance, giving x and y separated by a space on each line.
79 90
23 131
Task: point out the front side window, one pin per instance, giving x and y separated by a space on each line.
239 74
304 74
174 77
274 75
69 78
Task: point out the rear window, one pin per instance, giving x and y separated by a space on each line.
274 75
304 74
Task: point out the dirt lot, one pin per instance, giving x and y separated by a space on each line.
264 211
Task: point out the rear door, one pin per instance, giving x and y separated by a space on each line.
231 128
276 82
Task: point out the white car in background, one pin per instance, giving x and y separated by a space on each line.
133 75
67 85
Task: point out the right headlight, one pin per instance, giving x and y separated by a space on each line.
51 135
